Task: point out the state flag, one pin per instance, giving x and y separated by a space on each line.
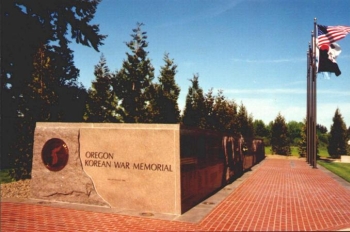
327 56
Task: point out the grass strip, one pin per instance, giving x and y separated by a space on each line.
340 169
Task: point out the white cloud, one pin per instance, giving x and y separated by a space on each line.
214 11
296 83
294 113
223 8
262 109
334 92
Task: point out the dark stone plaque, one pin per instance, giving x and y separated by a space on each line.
55 154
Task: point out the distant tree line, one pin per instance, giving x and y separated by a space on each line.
39 82
281 136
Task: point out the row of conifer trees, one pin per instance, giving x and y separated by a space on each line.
39 82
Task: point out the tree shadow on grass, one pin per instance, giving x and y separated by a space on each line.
327 159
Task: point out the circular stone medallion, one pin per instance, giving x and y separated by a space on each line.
55 154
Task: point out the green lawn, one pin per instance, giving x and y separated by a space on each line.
340 169
267 150
294 151
5 177
322 151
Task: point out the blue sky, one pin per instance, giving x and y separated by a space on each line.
253 50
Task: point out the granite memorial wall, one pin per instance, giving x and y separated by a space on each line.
163 168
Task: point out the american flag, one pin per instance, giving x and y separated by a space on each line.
330 34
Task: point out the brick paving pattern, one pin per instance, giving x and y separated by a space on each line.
281 194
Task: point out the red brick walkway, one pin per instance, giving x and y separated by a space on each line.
281 194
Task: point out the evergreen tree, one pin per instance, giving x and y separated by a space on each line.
40 94
71 94
348 141
210 117
225 113
28 27
71 103
251 132
232 112
245 123
269 129
221 117
43 99
195 110
102 102
302 142
260 129
133 83
321 136
163 106
322 129
35 104
338 136
280 143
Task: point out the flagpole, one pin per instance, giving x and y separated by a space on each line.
325 36
308 104
311 109
309 147
314 77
